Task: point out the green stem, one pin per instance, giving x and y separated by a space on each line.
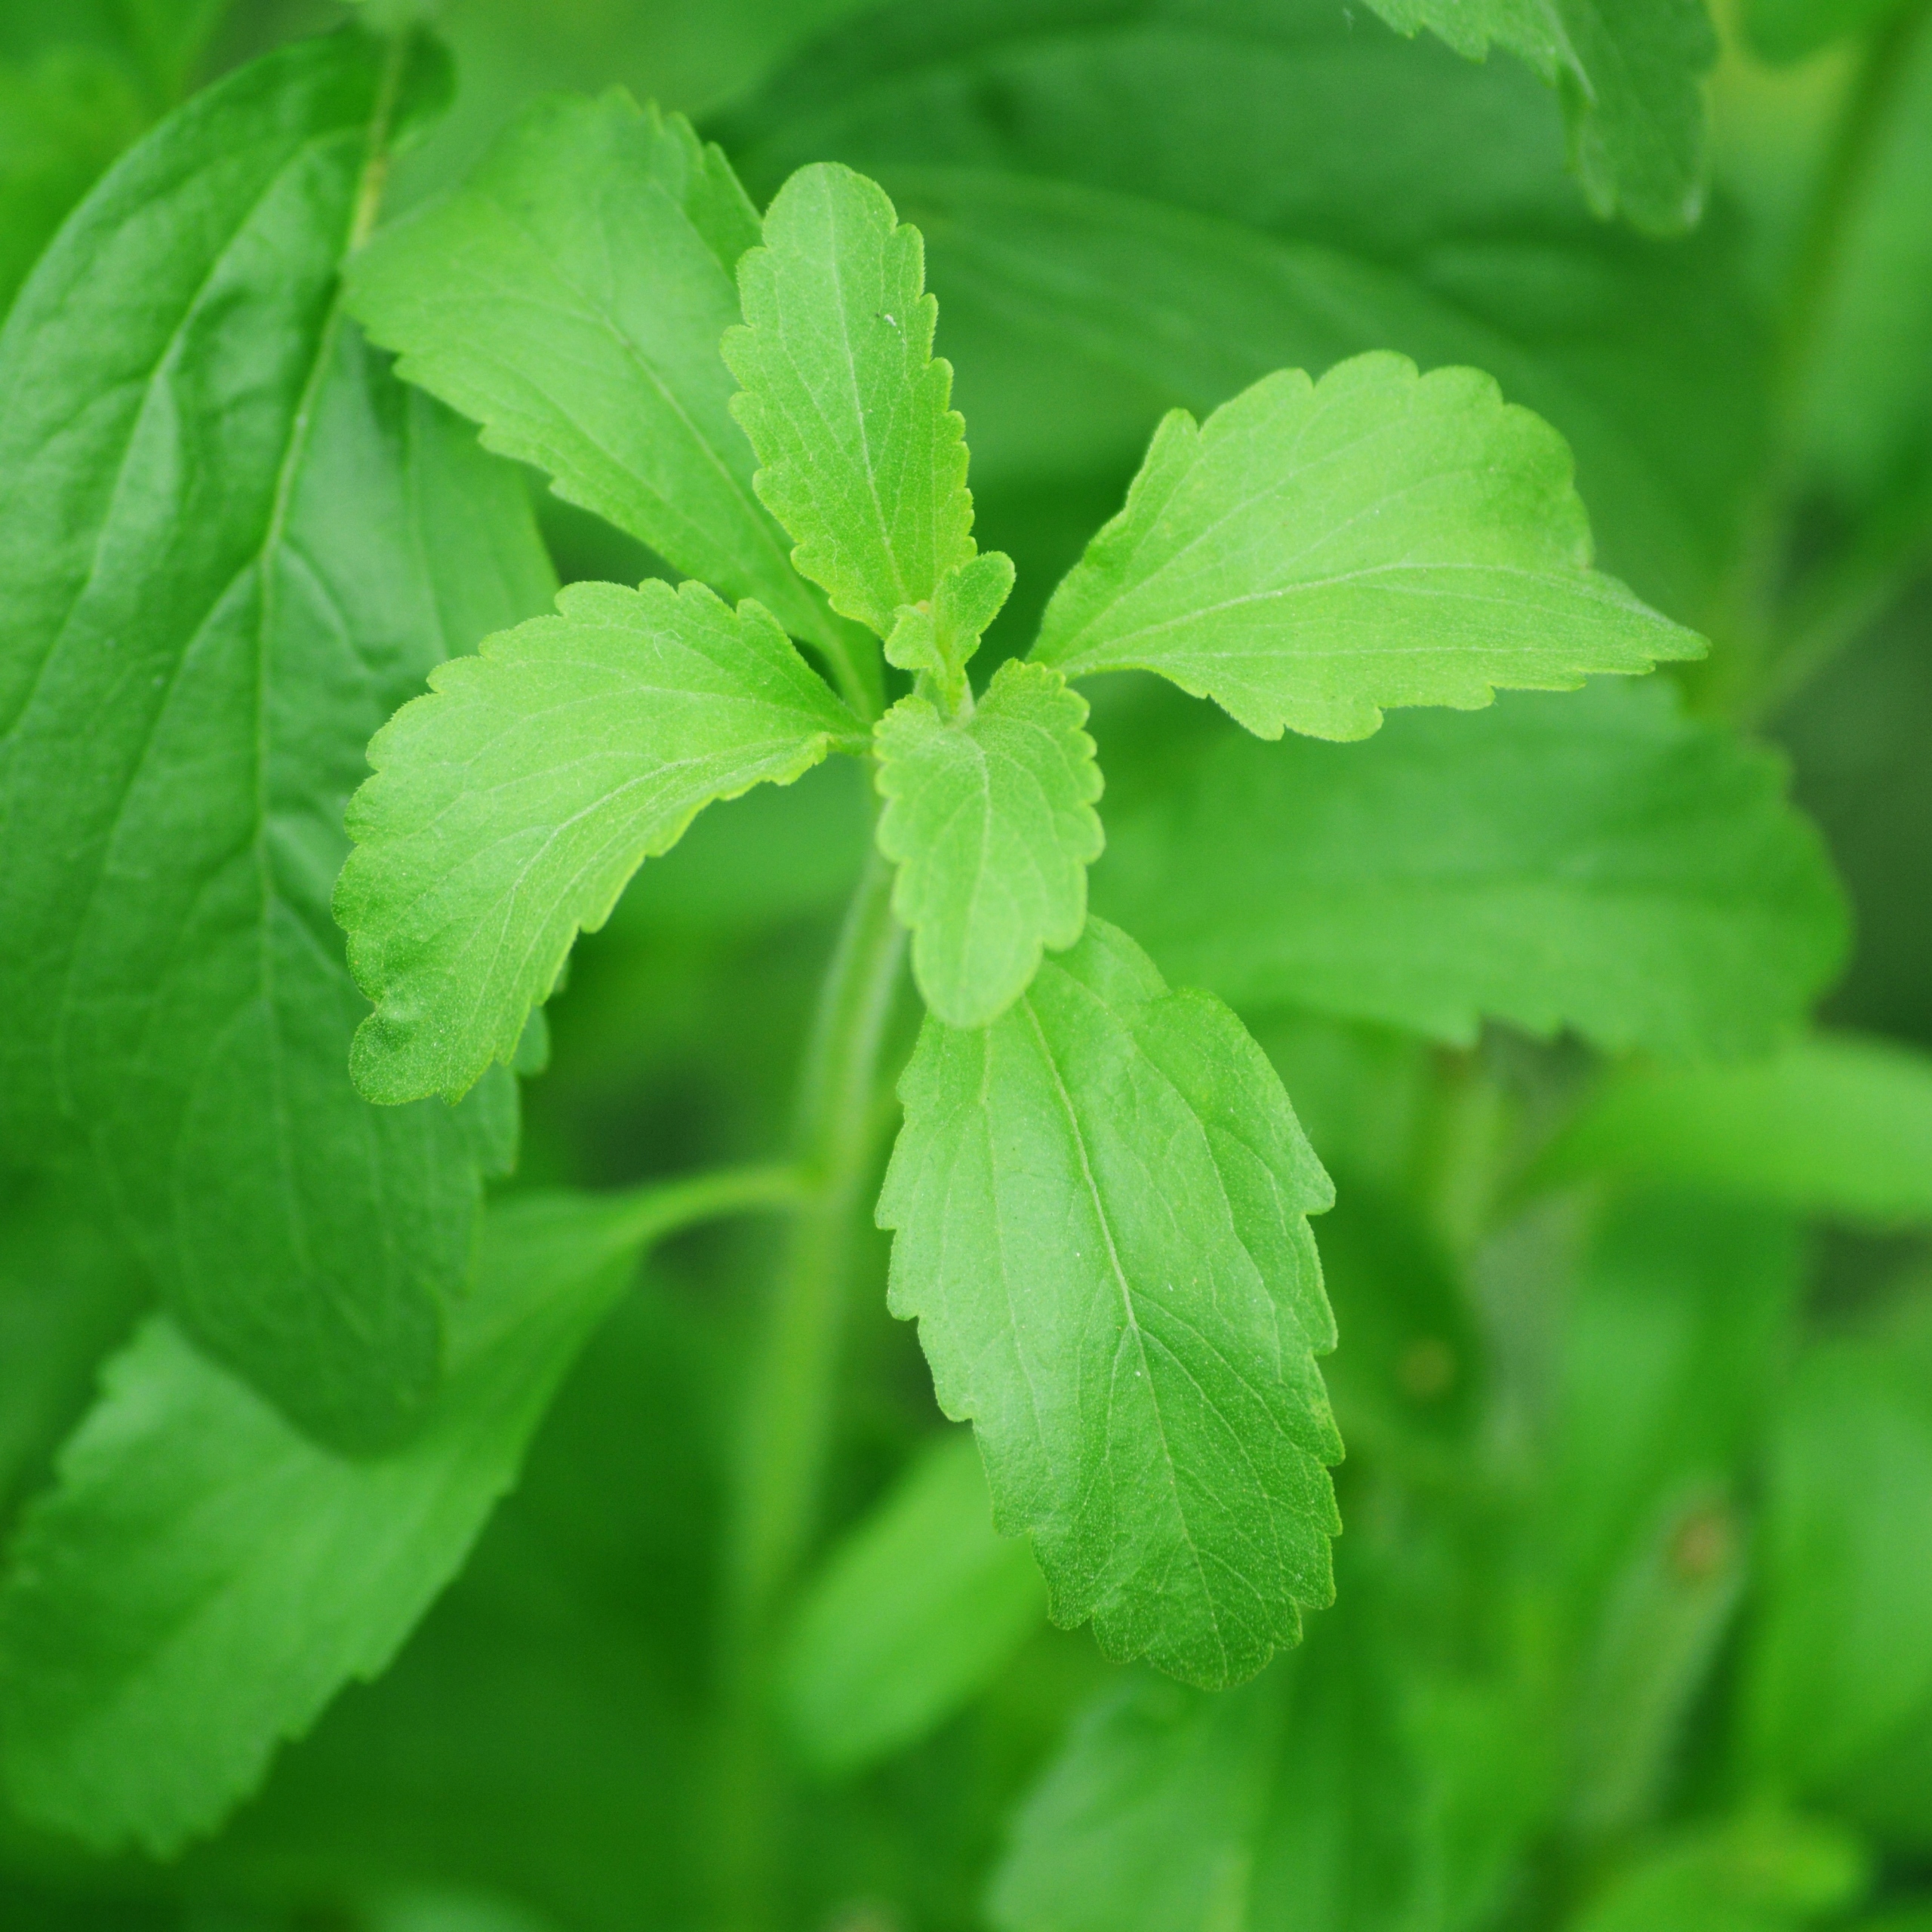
1759 676
646 1214
790 1407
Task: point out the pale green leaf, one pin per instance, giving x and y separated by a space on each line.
940 635
989 816
913 1614
1839 1670
1598 861
1314 552
509 807
570 296
1100 1203
232 545
1835 1126
1631 74
860 457
203 1578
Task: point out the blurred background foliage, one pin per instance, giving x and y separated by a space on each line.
1637 1623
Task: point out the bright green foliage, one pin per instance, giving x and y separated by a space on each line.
1294 1801
1835 1126
509 808
1840 1676
1597 861
1094 273
570 296
1631 74
1100 1203
990 817
1751 1874
203 1578
232 546
1314 552
941 635
860 457
912 1614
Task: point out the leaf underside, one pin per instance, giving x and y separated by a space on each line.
1100 1204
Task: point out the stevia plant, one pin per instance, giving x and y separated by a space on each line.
312 778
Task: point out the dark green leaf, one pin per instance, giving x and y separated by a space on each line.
1599 862
1632 73
510 807
1101 1202
232 545
204 1578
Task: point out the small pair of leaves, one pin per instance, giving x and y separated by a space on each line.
202 1578
1101 1203
1632 73
232 544
510 807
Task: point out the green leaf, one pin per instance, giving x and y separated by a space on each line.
509 808
1128 207
1789 29
1294 1800
940 637
570 296
1314 552
232 545
1632 73
912 1615
861 459
1755 1873
1598 861
1839 1670
1835 1126
989 816
1100 1203
204 1578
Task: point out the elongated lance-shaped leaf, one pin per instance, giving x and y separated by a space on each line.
1314 552
510 807
232 545
861 459
569 297
201 1579
1101 1204
990 817
1597 860
911 1617
1631 74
